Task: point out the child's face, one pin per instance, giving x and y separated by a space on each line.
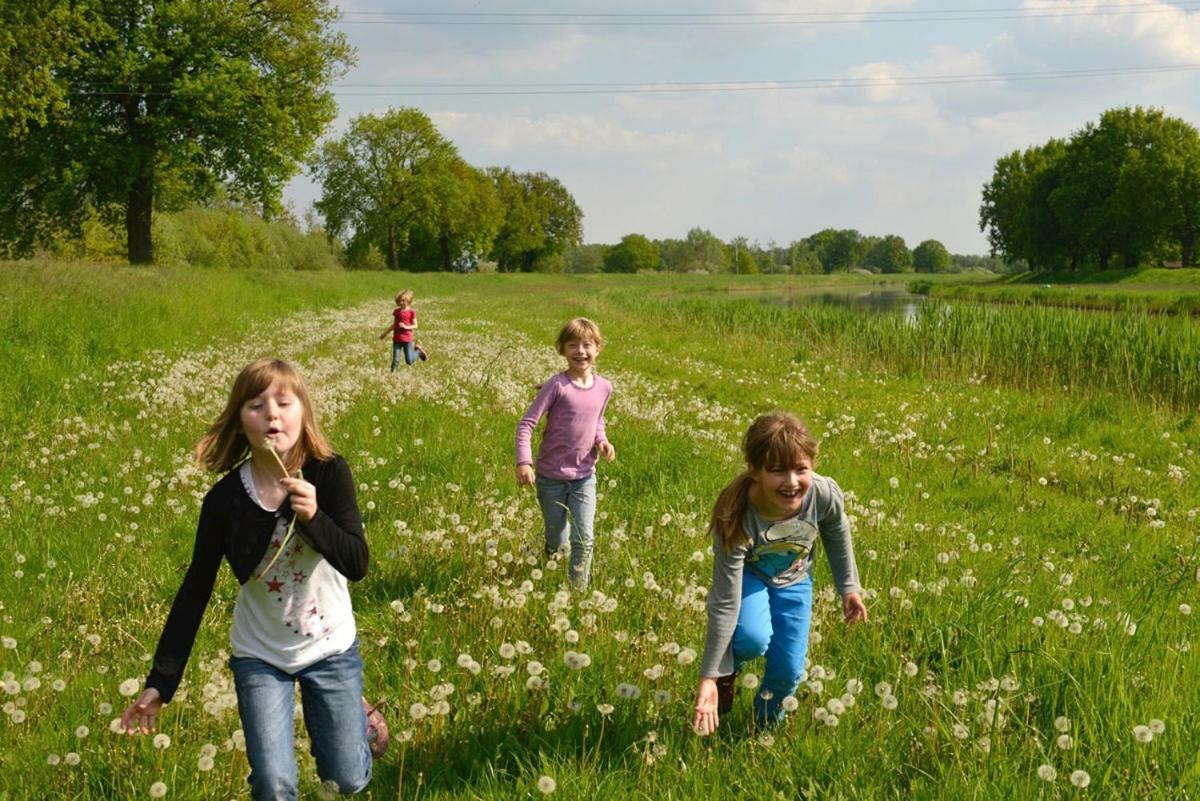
580 355
778 494
277 414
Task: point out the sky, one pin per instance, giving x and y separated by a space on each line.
769 119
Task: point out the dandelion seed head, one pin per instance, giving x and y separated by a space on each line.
1080 778
546 785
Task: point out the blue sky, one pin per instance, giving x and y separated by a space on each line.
873 145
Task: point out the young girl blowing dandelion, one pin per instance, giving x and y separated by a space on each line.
765 524
287 522
573 403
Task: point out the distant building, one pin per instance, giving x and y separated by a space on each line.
1170 265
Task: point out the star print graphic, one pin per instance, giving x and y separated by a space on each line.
274 585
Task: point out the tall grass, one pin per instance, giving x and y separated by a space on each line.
1131 354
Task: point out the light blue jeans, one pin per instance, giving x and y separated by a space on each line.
570 506
410 353
331 694
773 621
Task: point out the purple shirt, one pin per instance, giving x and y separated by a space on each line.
574 427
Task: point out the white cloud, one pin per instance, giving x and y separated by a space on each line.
581 135
1160 32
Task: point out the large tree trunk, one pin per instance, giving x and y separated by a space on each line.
139 205
444 242
393 256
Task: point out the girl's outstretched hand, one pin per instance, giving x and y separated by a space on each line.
853 608
142 715
607 451
525 475
706 719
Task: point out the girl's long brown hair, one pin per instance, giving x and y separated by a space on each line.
225 444
775 440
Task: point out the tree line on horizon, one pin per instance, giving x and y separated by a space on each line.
115 113
1124 190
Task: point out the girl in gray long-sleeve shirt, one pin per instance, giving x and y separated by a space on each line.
764 526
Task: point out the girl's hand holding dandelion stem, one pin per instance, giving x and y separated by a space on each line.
303 499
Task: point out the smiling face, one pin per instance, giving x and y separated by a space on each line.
778 493
276 414
580 355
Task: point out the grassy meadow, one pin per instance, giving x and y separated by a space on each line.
1023 483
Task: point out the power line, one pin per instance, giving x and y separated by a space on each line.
691 87
719 19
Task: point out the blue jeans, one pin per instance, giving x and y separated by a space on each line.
409 350
570 505
331 694
773 621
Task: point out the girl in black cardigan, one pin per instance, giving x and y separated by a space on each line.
287 522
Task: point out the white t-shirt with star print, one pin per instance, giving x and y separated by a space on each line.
296 613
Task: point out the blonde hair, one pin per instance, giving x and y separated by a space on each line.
225 444
580 328
404 296
773 441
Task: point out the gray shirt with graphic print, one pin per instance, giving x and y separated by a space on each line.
781 554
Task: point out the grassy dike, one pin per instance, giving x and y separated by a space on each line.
1030 548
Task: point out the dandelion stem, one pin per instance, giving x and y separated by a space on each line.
291 524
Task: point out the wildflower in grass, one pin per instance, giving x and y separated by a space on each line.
162 741
854 686
1062 723
831 721
58 685
53 759
17 716
1064 742
158 790
766 739
789 703
1080 778
889 702
1157 726
534 668
82 732
1047 773
418 711
204 764
71 759
749 681
662 697
604 709
960 731
507 651
883 688
910 669
105 708
630 692
129 687
115 726
1142 733
835 706
434 665
546 785
1185 609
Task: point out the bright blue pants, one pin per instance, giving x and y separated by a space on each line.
773 621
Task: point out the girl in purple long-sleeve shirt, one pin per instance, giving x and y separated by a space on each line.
573 403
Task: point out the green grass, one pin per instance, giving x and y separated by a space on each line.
1146 291
984 498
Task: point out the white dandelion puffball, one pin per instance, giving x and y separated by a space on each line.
890 702
1081 778
1062 723
1047 773
1142 734
162 741
158 790
1157 726
1064 742
789 703
546 785
129 687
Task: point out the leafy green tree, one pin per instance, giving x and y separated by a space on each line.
633 253
704 251
931 256
541 221
804 259
465 220
585 258
383 180
838 249
1016 212
1180 184
197 93
744 262
890 254
39 38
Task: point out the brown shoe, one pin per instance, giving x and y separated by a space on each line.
726 686
377 730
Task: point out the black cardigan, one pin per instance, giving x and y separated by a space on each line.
233 526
